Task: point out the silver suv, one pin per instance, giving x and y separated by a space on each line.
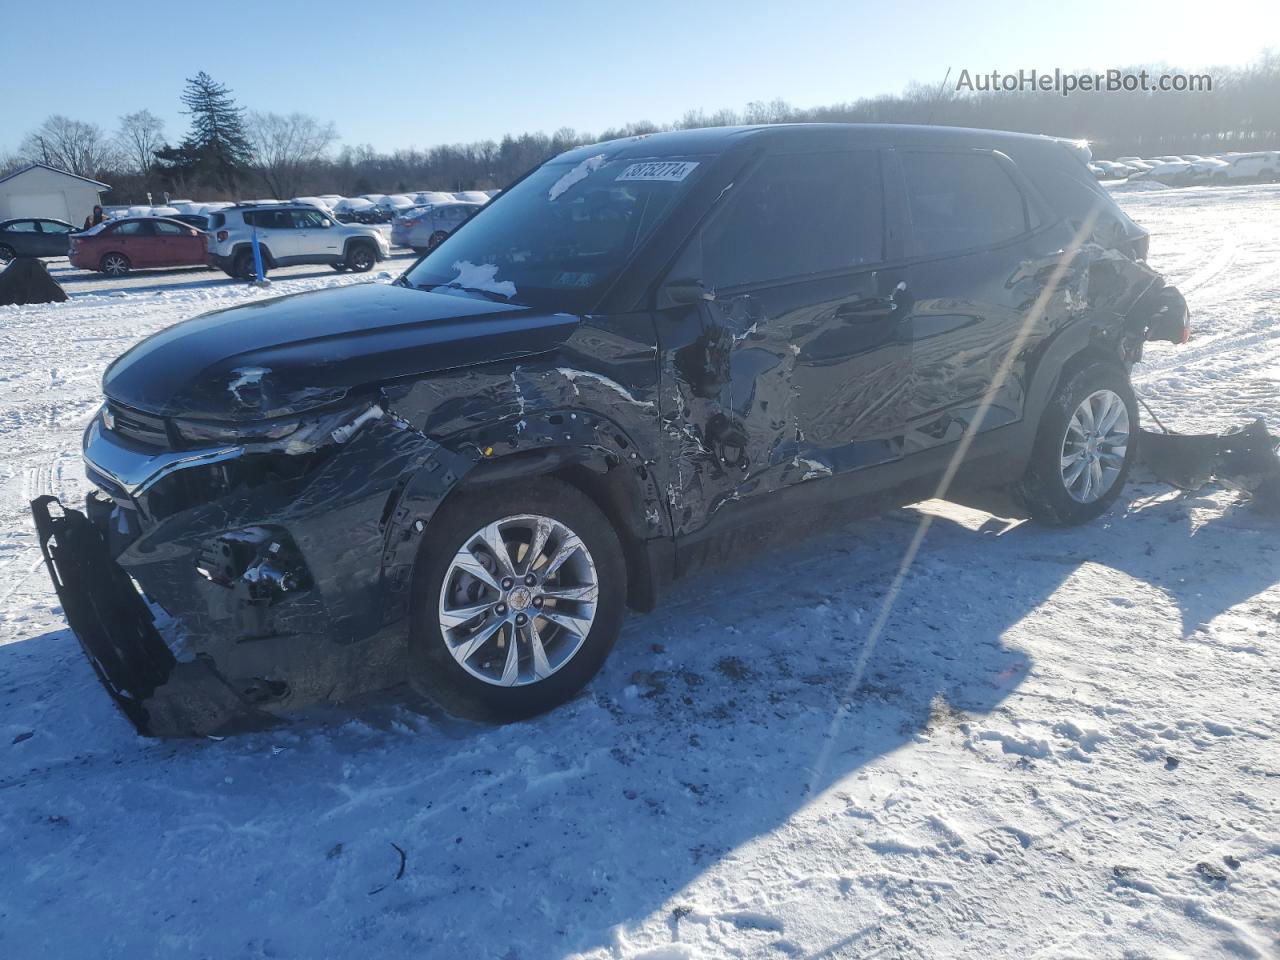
290 234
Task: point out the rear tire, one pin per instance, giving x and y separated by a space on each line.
339 267
242 267
7 253
1084 449
114 264
470 671
361 257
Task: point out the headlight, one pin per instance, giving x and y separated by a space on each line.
300 432
203 431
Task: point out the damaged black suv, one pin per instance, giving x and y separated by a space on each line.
645 354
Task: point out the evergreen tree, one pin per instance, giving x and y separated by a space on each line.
216 150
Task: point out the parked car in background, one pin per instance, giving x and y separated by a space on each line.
34 237
1261 165
137 243
472 196
1206 169
355 210
392 205
424 227
432 196
1172 172
288 234
198 220
318 202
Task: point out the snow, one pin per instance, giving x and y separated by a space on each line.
1065 743
482 276
577 174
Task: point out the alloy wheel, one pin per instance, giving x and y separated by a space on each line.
1094 447
115 265
518 600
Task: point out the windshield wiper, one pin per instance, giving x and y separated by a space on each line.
491 294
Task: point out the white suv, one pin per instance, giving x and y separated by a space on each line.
290 233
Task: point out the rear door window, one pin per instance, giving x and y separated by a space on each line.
22 226
132 228
798 215
960 201
168 229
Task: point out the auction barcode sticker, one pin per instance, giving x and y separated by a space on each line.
674 170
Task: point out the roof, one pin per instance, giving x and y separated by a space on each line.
715 140
73 176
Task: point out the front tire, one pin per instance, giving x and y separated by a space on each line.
518 599
1084 449
361 258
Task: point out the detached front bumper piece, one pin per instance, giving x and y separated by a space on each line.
160 695
1245 458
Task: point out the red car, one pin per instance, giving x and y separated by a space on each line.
135 243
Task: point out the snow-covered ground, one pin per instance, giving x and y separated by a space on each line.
1065 743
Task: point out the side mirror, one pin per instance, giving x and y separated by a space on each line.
683 292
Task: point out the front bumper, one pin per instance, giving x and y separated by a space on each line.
283 592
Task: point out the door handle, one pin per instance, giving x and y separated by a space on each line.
869 309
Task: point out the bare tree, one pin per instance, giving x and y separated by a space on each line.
71 145
285 148
141 134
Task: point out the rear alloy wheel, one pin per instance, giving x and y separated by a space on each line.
518 600
115 264
7 253
1085 447
361 258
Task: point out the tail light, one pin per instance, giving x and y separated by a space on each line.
222 236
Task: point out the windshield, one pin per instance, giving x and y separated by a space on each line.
559 237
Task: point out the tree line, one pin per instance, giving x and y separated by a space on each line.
230 152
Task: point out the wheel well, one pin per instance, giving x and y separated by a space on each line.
1078 361
353 242
608 485
267 259
618 499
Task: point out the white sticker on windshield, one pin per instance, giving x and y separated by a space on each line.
672 170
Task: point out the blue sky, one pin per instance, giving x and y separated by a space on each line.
399 73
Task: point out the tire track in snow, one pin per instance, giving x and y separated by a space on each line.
1219 265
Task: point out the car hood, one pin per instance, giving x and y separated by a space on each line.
279 356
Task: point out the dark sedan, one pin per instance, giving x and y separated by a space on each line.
37 237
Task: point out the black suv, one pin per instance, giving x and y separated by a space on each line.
645 354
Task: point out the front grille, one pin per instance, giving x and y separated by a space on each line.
138 426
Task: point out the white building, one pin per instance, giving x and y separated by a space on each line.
44 191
